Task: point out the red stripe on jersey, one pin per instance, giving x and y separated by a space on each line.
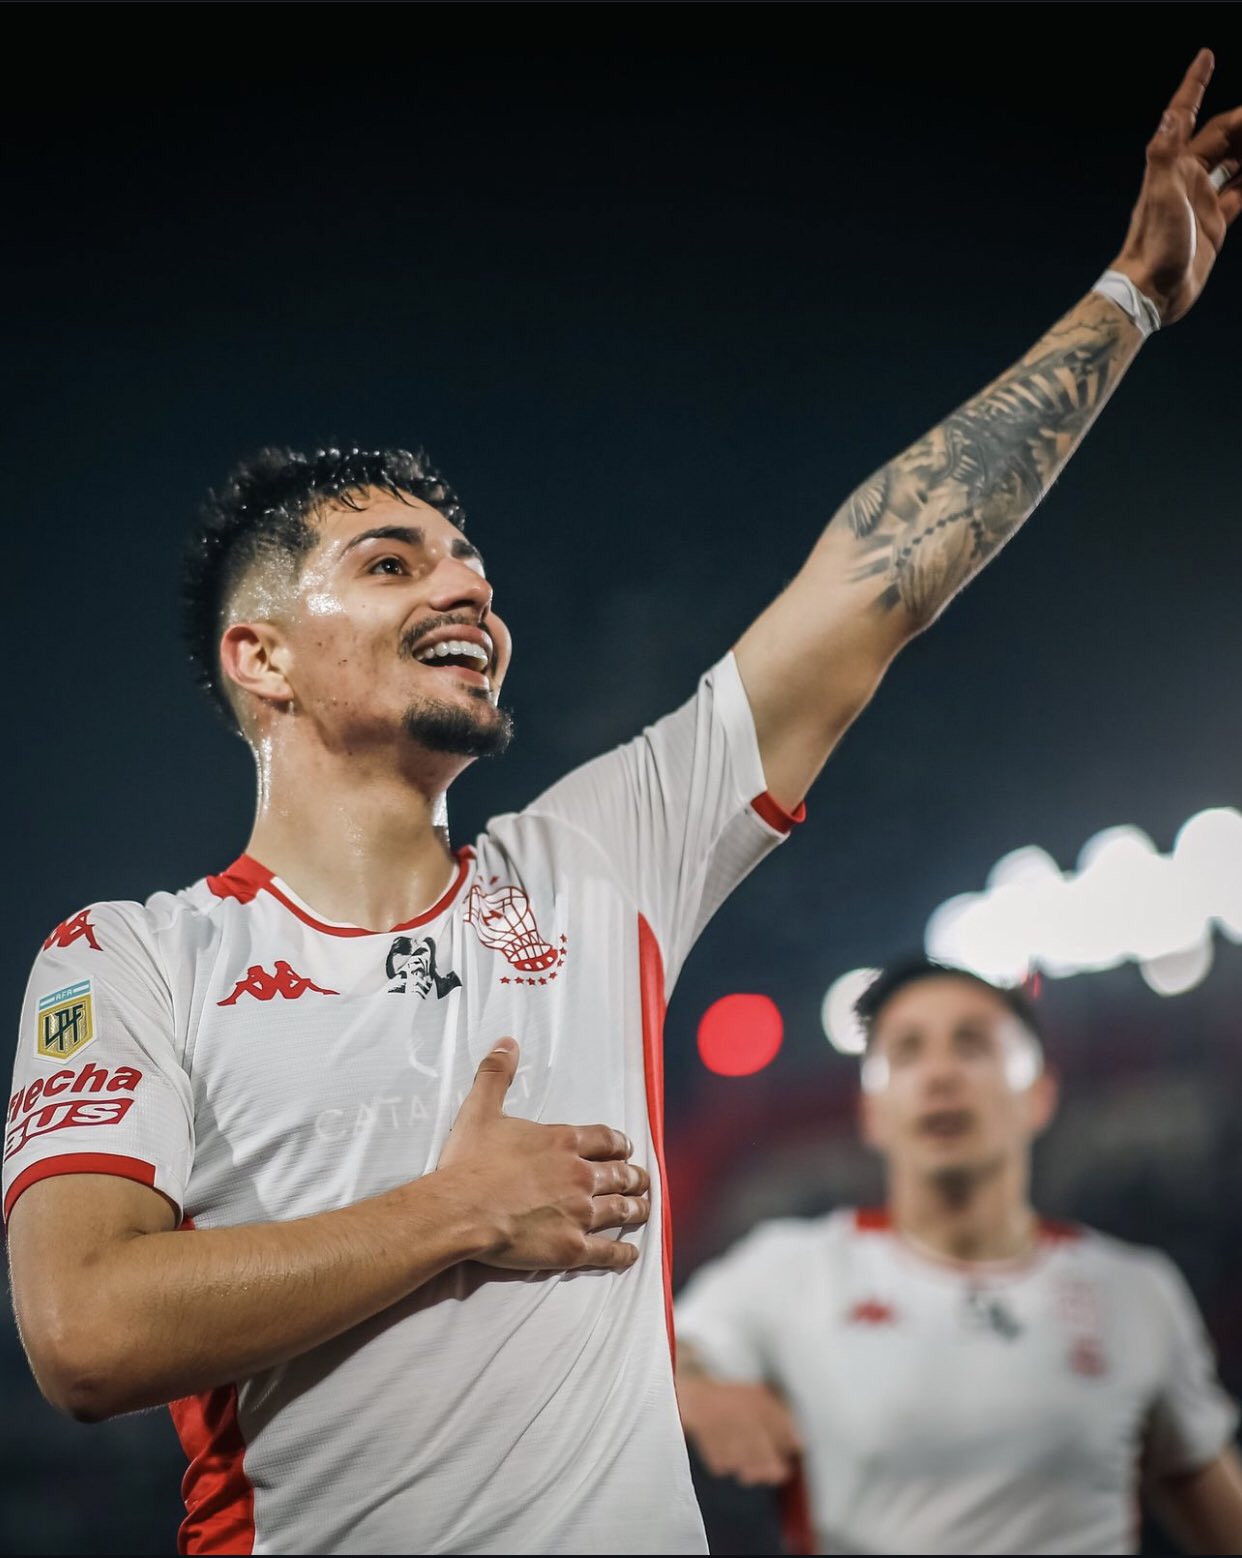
79 1163
872 1219
651 987
246 877
794 1506
1055 1232
775 815
219 1497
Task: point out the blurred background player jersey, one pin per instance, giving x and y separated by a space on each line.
254 1063
991 1407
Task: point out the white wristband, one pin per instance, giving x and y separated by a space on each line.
1136 305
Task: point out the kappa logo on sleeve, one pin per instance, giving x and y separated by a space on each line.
69 931
65 1021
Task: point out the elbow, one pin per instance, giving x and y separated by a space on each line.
78 1376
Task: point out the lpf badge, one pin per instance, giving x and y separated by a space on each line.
66 1021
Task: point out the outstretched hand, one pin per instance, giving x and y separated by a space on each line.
1180 219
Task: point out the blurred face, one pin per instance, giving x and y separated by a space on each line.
952 1081
391 632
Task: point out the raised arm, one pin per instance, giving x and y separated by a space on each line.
904 543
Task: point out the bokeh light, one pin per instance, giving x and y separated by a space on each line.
740 1034
841 1024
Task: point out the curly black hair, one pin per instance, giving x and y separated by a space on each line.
265 509
906 971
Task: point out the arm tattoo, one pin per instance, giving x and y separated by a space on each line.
929 520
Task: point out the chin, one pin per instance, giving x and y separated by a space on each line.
468 727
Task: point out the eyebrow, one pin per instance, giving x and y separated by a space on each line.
413 535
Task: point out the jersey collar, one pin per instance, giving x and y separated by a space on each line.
247 877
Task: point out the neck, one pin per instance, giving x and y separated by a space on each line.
976 1214
360 840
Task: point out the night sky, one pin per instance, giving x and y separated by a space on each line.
656 286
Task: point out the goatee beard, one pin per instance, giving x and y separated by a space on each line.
445 727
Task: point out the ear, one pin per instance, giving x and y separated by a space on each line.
255 657
1043 1095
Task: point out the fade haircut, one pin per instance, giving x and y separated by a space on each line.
908 970
265 510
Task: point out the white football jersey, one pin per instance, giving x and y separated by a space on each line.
255 1062
999 1407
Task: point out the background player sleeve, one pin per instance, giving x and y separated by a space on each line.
728 1310
1192 1418
681 813
97 1086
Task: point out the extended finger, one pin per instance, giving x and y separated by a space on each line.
492 1081
1188 99
619 1212
600 1142
603 1254
618 1177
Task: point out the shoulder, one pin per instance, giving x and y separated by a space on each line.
120 928
1143 1273
790 1243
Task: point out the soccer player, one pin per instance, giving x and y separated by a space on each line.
955 1374
271 1156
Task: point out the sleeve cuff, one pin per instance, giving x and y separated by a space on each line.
81 1163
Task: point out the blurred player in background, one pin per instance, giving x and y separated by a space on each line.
954 1373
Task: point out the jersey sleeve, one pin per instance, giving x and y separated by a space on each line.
97 1087
681 813
1192 1418
726 1312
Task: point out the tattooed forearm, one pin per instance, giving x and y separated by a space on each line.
929 520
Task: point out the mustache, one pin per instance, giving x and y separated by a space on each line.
413 636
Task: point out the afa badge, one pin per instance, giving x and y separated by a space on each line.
66 1021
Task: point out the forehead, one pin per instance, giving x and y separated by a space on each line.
340 522
941 1001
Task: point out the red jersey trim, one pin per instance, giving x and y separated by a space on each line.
878 1219
79 1163
218 1495
775 815
793 1504
651 989
246 877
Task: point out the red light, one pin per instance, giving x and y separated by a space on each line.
740 1034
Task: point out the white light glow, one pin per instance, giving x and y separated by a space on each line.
841 1024
1125 902
1177 972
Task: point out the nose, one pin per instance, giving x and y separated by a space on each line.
454 584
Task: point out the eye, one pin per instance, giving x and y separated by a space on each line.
389 565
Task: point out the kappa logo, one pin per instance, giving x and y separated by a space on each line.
265 987
411 967
504 922
872 1311
65 1021
69 931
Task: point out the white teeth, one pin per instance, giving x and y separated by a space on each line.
453 646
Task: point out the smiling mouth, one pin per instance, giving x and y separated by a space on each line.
456 654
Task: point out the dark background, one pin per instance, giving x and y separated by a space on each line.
656 286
